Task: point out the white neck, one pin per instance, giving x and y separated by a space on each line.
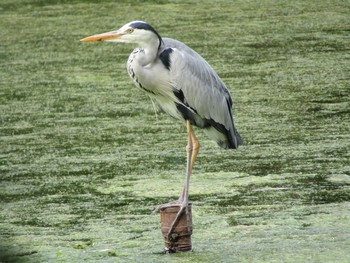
149 52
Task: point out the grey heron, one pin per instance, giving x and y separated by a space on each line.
183 84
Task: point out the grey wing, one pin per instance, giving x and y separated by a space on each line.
202 93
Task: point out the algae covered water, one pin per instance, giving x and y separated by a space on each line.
84 159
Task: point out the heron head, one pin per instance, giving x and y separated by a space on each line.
137 32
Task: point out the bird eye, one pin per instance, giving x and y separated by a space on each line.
130 30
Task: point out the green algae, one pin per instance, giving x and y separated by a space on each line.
84 159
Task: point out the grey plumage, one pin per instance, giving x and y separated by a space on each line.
183 84
186 87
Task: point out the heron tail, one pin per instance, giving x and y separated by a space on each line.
234 139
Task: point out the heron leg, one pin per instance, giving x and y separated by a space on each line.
192 149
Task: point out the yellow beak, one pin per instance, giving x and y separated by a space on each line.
105 36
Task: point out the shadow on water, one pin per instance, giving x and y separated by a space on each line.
13 256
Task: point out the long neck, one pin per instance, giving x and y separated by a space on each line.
148 52
140 62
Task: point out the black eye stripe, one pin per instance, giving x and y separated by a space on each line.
145 26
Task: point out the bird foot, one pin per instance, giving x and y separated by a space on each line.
183 208
171 203
171 235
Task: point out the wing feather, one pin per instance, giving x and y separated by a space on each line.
203 89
